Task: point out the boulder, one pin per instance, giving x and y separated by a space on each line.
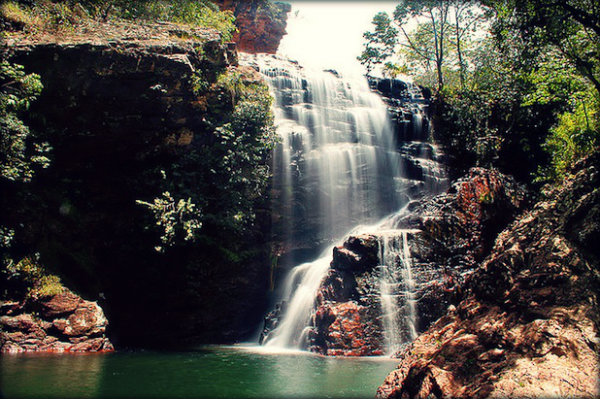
357 254
347 330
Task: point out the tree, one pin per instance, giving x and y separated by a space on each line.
570 26
380 43
467 19
435 13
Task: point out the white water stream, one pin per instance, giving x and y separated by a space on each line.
397 289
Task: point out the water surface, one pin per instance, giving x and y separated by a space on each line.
212 372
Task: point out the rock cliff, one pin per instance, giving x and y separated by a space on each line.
527 324
261 24
132 111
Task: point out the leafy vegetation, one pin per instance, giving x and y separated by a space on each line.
224 177
42 16
60 16
379 44
172 216
19 152
516 82
28 279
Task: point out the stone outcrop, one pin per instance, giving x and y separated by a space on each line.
60 323
408 107
527 325
455 232
447 235
346 321
406 101
261 24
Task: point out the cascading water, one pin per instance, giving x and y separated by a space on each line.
338 165
397 289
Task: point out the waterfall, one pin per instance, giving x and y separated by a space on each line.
338 165
397 289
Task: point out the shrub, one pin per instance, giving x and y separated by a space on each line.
18 150
174 217
576 135
16 15
200 13
28 279
43 15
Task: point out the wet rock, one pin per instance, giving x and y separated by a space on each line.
345 329
345 322
446 235
357 254
527 325
271 321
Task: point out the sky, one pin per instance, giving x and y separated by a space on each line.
328 34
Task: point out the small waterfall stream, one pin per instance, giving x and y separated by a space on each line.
397 289
339 165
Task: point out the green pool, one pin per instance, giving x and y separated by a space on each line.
211 372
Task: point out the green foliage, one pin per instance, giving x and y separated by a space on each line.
19 152
513 99
224 173
15 14
379 44
430 41
576 135
173 215
571 27
28 279
504 112
65 15
242 147
201 13
43 15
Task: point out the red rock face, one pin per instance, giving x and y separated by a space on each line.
345 323
60 323
261 24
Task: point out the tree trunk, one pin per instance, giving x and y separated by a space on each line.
461 65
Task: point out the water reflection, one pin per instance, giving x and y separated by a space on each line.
51 375
217 372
